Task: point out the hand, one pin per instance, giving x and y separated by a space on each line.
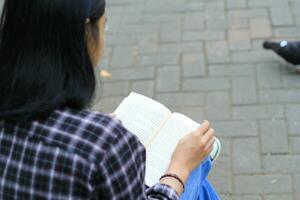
113 115
192 150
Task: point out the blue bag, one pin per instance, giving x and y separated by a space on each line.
197 186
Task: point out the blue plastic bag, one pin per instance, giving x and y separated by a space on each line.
198 187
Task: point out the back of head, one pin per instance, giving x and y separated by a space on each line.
44 60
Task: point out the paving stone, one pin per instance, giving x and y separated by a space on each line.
193 65
214 24
226 196
206 84
223 166
215 6
262 184
104 65
238 23
108 104
181 6
217 52
143 87
131 14
132 74
195 113
115 88
243 91
149 38
215 15
248 13
279 197
157 60
120 39
138 28
226 147
171 36
246 197
260 28
291 81
281 16
257 44
115 13
214 10
296 181
123 56
167 36
254 56
279 96
239 39
287 164
293 116
218 105
203 35
182 47
181 99
274 138
168 79
287 32
222 182
295 5
268 75
148 47
258 112
154 7
193 21
294 144
160 17
268 3
236 4
231 70
297 20
246 156
236 128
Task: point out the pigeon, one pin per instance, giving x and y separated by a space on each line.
289 51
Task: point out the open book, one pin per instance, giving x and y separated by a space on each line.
157 128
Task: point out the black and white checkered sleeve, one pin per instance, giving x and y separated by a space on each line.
122 172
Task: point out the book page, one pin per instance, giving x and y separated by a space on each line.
160 150
142 116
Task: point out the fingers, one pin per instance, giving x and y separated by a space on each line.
206 140
113 114
210 145
209 135
203 128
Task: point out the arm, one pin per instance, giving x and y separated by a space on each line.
121 173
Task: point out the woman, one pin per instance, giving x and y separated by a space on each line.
51 146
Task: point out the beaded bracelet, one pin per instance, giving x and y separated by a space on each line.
173 176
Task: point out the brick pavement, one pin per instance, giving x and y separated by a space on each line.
204 58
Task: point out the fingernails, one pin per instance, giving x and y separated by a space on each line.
113 114
205 122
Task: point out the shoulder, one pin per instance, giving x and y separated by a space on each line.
89 134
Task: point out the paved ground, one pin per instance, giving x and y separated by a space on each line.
204 58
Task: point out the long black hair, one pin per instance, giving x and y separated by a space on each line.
44 59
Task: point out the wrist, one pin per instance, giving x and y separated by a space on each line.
173 183
182 172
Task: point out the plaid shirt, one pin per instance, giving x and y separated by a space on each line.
74 155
